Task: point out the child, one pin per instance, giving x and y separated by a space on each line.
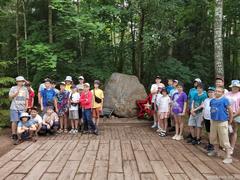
50 122
98 97
62 104
207 115
19 96
86 103
156 107
68 83
221 116
31 94
170 86
74 98
179 105
36 118
26 128
164 111
219 82
195 120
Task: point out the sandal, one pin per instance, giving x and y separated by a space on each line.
65 131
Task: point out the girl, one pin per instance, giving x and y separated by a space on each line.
179 109
156 107
163 112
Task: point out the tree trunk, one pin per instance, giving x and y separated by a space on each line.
50 32
121 52
133 47
17 36
25 34
218 44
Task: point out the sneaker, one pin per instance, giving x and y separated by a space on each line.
162 134
212 153
231 151
159 130
95 132
75 131
198 141
174 137
154 126
227 160
194 142
210 147
179 137
72 131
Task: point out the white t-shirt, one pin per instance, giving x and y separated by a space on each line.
37 119
164 102
75 97
207 109
158 97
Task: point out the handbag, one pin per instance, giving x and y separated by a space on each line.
97 99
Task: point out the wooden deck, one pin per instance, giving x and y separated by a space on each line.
129 151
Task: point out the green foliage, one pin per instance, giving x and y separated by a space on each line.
4 122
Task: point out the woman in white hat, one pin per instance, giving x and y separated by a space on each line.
234 98
68 82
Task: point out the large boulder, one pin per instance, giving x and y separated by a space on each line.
121 93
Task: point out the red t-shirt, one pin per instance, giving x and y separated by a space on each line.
31 97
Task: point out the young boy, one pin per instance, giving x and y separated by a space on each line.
170 86
50 122
86 103
26 128
62 104
19 96
98 97
74 99
219 82
195 120
48 96
221 116
36 118
207 115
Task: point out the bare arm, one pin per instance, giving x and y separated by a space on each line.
230 112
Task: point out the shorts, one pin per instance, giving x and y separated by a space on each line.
163 115
73 115
96 113
207 123
195 121
15 115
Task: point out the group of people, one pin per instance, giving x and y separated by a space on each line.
57 106
216 108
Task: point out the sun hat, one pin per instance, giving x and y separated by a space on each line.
20 78
86 84
97 82
211 88
198 80
235 83
81 77
68 78
24 114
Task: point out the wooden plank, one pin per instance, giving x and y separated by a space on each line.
221 172
180 176
148 177
88 161
115 161
69 170
48 145
115 145
103 152
59 162
175 153
130 170
83 176
151 152
228 167
190 170
54 151
7 157
115 176
27 165
143 163
23 145
127 151
100 171
160 170
49 176
137 146
79 152
27 152
8 168
93 145
15 177
38 170
213 177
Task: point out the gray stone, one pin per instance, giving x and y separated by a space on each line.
121 92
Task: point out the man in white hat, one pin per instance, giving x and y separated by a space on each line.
80 85
68 82
19 96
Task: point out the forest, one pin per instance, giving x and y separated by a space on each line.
94 38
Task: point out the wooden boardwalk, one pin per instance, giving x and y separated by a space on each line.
120 152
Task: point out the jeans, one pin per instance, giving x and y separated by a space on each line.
87 120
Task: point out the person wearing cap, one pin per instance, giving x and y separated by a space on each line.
62 105
207 115
234 98
19 103
195 120
192 92
221 117
74 99
86 103
169 86
154 90
98 97
31 94
36 118
25 128
68 83
48 96
80 85
219 82
179 105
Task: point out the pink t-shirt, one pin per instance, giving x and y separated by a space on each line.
234 99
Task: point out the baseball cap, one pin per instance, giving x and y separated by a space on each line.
175 80
48 80
86 84
81 77
211 88
157 77
62 83
198 80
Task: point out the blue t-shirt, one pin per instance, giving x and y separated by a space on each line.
191 94
198 100
48 97
219 111
27 124
169 88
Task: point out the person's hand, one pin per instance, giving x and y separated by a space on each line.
193 113
48 126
